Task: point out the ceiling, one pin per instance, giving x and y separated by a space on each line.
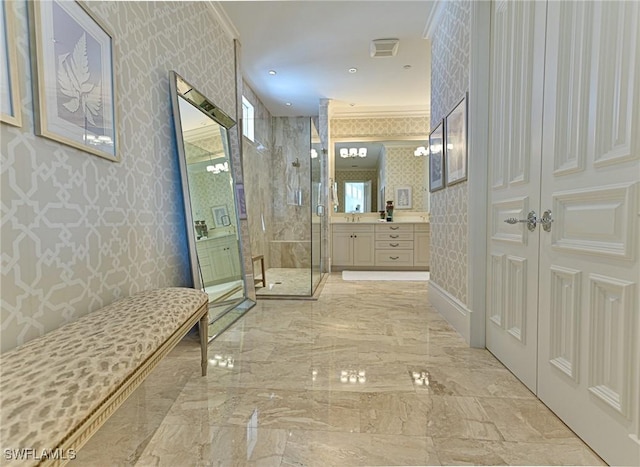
311 45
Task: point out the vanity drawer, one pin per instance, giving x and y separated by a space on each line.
352 228
391 228
394 245
394 257
394 236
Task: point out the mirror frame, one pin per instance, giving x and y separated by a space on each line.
180 88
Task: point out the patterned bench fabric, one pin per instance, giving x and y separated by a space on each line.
49 385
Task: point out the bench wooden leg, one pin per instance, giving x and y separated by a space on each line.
203 328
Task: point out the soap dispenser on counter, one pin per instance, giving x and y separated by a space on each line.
390 211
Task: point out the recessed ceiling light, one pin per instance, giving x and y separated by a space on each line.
272 72
353 70
288 104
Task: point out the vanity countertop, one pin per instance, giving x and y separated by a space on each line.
215 237
347 219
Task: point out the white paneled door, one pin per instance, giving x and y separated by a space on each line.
517 66
564 297
589 353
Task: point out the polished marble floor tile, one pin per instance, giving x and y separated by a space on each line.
329 383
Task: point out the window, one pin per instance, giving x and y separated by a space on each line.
247 119
357 196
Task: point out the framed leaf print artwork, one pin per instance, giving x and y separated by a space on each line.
10 111
74 78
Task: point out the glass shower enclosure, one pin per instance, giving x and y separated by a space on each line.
287 214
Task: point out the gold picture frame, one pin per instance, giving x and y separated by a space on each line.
74 79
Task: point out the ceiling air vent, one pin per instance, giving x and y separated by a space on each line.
384 47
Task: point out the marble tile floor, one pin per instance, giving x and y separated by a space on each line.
290 393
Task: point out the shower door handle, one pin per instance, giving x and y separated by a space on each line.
320 210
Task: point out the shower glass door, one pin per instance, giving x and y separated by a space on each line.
318 210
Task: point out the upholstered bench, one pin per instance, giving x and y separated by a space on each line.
57 390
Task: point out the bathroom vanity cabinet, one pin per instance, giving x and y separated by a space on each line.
353 245
218 259
382 246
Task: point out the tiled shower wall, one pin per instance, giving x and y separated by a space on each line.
449 82
290 246
279 229
79 231
256 160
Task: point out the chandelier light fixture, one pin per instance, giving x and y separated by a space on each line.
353 152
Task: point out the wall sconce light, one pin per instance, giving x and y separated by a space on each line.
421 151
353 152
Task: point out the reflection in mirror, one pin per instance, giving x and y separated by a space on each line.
367 174
210 205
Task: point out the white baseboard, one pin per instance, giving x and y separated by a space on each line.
452 309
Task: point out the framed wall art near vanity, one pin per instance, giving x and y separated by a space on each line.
74 85
436 158
403 197
221 215
456 143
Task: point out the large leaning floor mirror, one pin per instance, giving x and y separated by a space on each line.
210 204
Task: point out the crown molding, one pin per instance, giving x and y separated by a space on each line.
224 20
434 19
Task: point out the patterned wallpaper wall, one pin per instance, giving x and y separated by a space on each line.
449 81
403 168
379 127
79 231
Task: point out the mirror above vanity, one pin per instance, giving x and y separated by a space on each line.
209 199
368 173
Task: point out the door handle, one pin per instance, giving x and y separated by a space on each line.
546 220
531 221
320 210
